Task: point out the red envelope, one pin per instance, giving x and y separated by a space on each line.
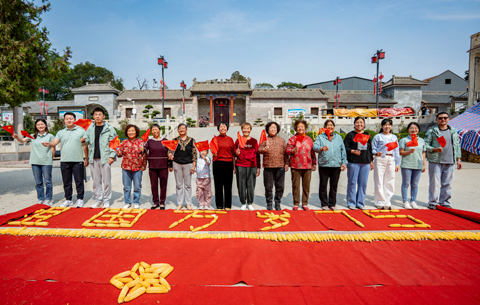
115 143
8 128
413 142
299 139
26 134
201 146
361 138
263 137
241 140
327 132
170 144
84 123
145 135
214 145
392 145
442 141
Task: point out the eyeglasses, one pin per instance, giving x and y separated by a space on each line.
443 118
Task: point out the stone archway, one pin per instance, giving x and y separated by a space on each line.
90 107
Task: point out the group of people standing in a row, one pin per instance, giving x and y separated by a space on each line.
80 148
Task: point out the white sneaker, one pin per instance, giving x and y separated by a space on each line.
414 205
407 205
250 207
48 202
127 206
66 204
96 204
79 203
379 206
136 206
106 205
41 202
244 207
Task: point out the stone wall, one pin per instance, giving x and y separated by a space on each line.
259 108
107 100
406 97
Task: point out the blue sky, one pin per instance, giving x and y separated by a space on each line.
268 41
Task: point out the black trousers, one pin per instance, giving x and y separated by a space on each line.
76 169
274 176
223 178
326 173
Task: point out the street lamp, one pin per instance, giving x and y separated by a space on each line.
376 60
184 86
336 82
164 64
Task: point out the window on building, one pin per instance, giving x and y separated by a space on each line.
448 81
314 110
277 111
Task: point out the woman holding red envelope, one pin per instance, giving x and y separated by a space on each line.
223 168
302 162
412 150
332 159
41 159
358 145
443 149
387 162
247 166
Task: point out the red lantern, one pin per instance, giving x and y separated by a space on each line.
160 61
334 82
165 65
381 55
47 92
339 81
40 90
374 79
374 59
380 77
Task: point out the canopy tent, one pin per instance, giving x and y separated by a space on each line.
468 126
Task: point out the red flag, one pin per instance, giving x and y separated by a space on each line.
115 143
442 141
26 134
299 139
214 145
8 128
145 135
241 140
84 123
327 132
170 144
361 138
263 137
413 142
392 145
201 146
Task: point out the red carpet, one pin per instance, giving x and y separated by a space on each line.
475 217
157 220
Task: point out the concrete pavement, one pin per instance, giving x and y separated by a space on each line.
17 185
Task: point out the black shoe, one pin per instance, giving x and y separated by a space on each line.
162 207
432 206
278 207
154 206
269 207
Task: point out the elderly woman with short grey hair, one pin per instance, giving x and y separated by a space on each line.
184 162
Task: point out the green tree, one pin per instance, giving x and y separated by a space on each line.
24 52
289 85
238 77
59 89
264 86
28 123
87 72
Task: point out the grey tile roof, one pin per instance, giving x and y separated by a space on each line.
91 88
146 95
436 98
359 97
288 94
404 81
34 107
227 86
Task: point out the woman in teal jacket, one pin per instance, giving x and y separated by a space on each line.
332 159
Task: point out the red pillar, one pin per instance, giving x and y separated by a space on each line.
211 109
231 109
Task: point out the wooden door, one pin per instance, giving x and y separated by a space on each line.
168 111
128 113
221 110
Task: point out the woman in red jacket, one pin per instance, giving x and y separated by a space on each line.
223 168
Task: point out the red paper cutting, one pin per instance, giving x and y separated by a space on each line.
214 145
241 140
84 123
145 135
26 134
170 144
413 142
263 137
8 128
201 146
442 141
392 145
361 138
